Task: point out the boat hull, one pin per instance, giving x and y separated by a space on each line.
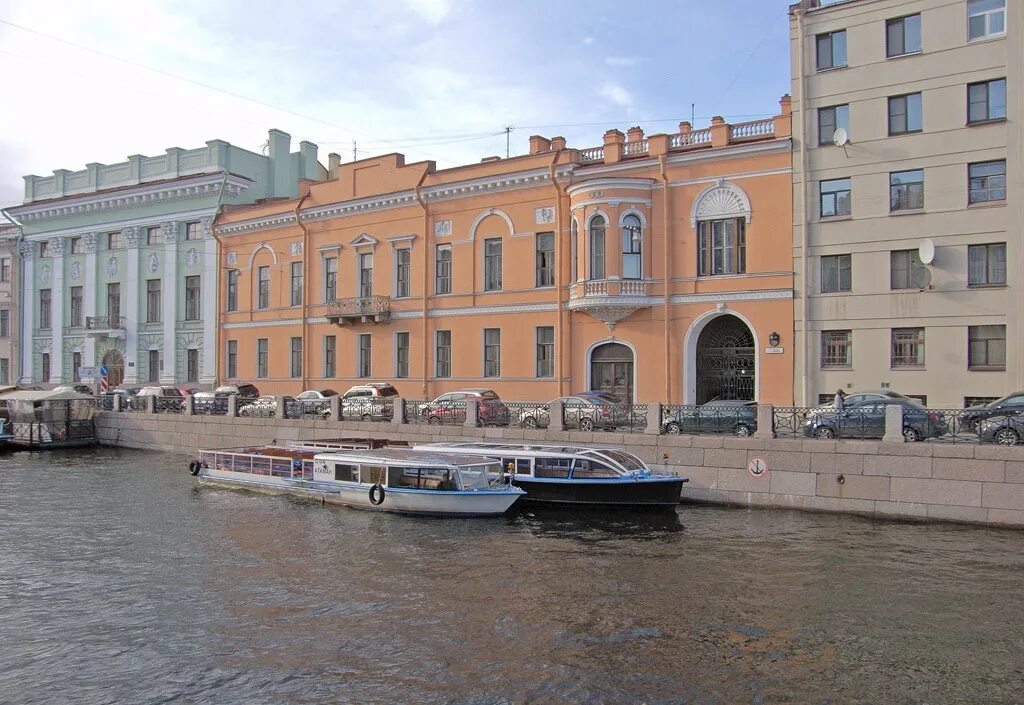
624 492
491 502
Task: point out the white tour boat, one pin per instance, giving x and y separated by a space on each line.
389 478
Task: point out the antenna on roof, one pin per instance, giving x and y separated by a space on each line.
508 142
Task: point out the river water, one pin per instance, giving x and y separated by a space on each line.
121 581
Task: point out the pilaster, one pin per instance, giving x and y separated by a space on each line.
169 293
89 298
131 309
57 310
209 303
29 296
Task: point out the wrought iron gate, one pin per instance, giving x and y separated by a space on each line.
725 361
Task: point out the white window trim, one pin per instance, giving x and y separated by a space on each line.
987 14
394 355
483 353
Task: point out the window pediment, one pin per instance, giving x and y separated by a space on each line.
721 200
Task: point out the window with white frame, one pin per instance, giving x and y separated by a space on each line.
296 357
492 352
364 360
44 308
574 251
192 365
403 272
492 264
193 298
77 298
153 304
263 295
632 247
545 351
232 293
985 18
115 241
296 289
5 323
45 362
545 247
330 279
721 247
153 235
192 231
365 274
443 270
77 246
76 367
597 228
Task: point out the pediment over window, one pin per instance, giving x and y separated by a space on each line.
364 239
720 200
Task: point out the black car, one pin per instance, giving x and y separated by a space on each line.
1004 430
726 416
867 420
1010 405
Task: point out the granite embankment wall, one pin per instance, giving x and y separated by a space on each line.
970 483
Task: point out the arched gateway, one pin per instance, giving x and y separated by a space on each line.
726 360
611 370
114 362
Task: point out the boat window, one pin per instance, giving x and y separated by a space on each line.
478 476
346 473
422 478
626 460
552 467
523 466
585 469
373 474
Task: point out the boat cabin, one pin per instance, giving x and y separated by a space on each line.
407 468
48 419
293 460
550 461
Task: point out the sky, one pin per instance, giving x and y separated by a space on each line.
98 80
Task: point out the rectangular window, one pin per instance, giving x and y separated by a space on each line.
985 18
263 295
986 101
905 114
154 365
366 275
76 305
987 181
722 247
831 50
5 269
986 265
330 356
903 265
232 359
835 198
492 352
77 246
46 367
296 357
546 351
597 245
262 357
401 355
153 306
403 273
835 273
831 119
364 356
330 279
115 241
192 365
836 348
44 248
492 264
76 367
5 323
232 293
443 353
906 190
113 302
192 231
193 298
903 35
296 284
986 347
5 371
443 270
153 235
907 347
545 245
44 308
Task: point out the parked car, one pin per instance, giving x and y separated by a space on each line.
263 406
1005 430
718 416
365 402
451 407
586 411
315 401
858 398
1010 405
867 420
79 388
210 402
167 397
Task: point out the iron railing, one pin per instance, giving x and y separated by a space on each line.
110 322
41 433
791 420
379 306
525 414
251 406
307 408
428 412
368 409
168 405
266 465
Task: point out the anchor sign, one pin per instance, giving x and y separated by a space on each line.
757 466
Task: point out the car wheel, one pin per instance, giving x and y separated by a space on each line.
365 417
1007 437
911 435
743 431
529 422
825 432
672 429
586 424
434 421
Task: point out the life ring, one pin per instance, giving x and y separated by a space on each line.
194 467
374 499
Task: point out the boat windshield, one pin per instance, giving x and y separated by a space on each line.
476 477
627 460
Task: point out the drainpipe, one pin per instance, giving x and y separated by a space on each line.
220 246
804 287
423 298
669 389
16 303
559 195
305 280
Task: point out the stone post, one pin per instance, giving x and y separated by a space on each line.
280 412
765 421
472 413
335 408
657 145
556 416
232 405
117 403
151 404
653 420
719 132
190 405
893 424
613 146
398 410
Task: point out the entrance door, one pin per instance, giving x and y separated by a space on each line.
611 370
725 361
115 364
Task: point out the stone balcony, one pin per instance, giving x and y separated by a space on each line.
610 300
105 326
359 309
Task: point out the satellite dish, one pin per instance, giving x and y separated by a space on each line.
926 251
840 137
922 278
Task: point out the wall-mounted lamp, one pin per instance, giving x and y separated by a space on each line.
774 339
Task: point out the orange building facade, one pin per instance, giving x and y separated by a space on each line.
657 267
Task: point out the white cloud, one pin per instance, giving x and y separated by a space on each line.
588 40
434 11
616 93
623 60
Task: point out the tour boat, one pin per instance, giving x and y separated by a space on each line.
389 478
558 474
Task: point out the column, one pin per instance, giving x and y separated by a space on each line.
169 294
29 296
57 312
209 291
89 301
131 308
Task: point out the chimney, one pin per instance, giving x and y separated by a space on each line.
786 104
280 144
333 163
308 168
283 180
634 134
539 144
557 143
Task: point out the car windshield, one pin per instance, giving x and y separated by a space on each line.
328 392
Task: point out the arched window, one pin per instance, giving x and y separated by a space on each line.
632 248
597 225
575 250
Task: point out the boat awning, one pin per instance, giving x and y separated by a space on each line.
45 395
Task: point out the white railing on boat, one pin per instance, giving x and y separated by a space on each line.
267 465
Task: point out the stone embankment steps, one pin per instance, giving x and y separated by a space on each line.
981 484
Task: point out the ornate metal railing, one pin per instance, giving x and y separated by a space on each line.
528 414
755 129
377 306
168 405
791 420
689 139
368 409
307 408
442 414
105 322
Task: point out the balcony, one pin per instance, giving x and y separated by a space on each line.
610 300
359 309
105 326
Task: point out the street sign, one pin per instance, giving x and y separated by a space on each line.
104 370
87 372
757 466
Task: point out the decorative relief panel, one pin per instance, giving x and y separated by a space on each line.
721 200
442 228
192 258
232 258
294 249
170 231
76 270
26 250
545 215
90 242
44 274
57 247
206 228
131 236
112 266
153 262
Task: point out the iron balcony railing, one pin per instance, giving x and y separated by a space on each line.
376 308
110 322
